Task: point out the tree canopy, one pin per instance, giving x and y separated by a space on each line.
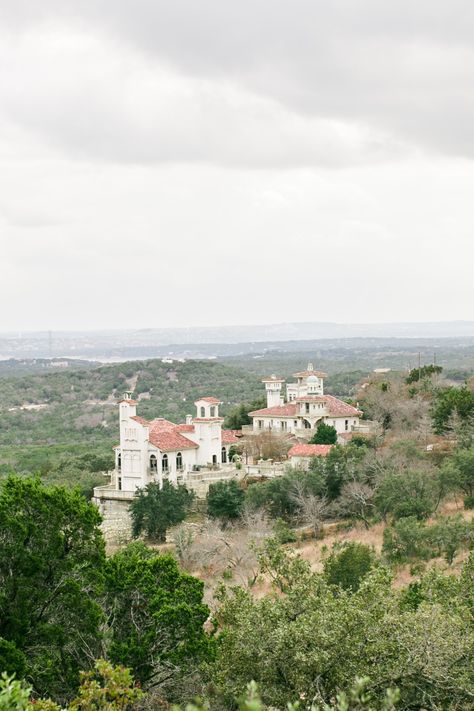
154 509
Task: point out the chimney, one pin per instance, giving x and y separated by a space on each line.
189 419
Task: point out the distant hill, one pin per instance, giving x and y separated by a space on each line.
209 341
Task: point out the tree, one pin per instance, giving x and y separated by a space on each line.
460 470
424 372
311 509
340 466
325 434
155 616
239 416
154 509
348 564
449 402
315 641
225 500
408 493
51 562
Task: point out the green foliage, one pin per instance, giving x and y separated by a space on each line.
155 509
406 540
283 532
277 495
469 502
340 466
106 687
348 565
239 415
51 556
460 470
426 371
407 493
14 695
410 539
325 434
451 402
314 641
156 615
225 500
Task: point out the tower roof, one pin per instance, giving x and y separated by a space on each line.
273 379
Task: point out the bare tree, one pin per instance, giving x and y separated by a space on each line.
356 500
311 509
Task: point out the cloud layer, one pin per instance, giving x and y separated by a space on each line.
303 160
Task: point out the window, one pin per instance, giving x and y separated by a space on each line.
179 462
119 463
307 407
283 425
153 464
346 424
119 483
203 412
260 424
164 463
214 458
224 455
295 422
213 411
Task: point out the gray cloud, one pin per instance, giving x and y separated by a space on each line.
256 81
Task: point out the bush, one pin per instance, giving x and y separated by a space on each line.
225 500
156 509
469 502
325 434
283 532
348 565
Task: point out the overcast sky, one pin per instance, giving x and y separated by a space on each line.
179 162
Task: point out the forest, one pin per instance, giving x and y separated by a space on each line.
344 586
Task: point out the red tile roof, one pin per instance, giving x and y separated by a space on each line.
288 410
171 441
311 398
339 408
185 428
166 435
310 450
208 419
210 400
230 436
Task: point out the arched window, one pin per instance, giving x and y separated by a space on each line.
164 463
179 462
203 412
153 464
224 455
213 411
119 463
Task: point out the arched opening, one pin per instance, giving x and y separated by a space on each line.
213 411
203 412
307 424
153 464
164 463
214 458
179 462
224 455
119 463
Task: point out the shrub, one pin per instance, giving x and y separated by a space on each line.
348 565
225 500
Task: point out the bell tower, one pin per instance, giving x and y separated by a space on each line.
273 387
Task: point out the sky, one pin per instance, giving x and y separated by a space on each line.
174 163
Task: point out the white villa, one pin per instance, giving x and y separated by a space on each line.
305 408
154 450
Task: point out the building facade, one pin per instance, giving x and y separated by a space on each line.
306 406
155 450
